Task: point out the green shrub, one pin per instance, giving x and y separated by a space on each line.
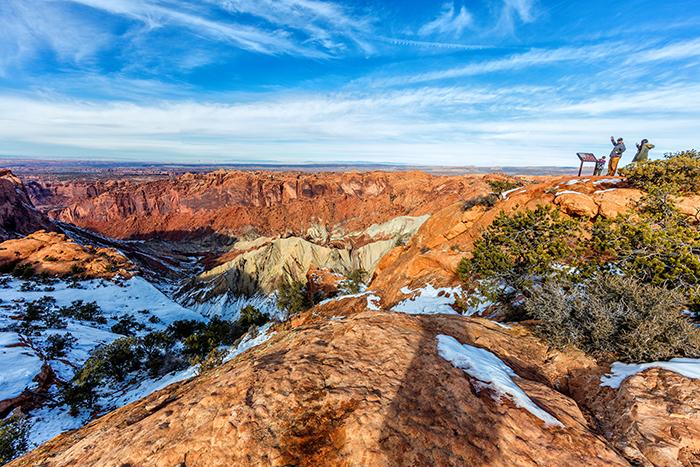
23 271
183 328
84 312
614 317
657 246
251 316
127 325
402 240
501 186
28 286
14 438
354 281
41 314
519 247
58 345
487 201
292 297
159 355
110 362
677 173
77 269
213 360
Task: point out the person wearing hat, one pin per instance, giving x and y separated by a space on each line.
615 155
643 149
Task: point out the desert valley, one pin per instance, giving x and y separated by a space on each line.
351 318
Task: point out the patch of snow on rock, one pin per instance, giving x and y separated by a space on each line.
567 192
688 367
228 306
250 341
492 372
343 297
18 366
429 301
372 302
575 181
607 180
505 194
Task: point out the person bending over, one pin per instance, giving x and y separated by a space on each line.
643 149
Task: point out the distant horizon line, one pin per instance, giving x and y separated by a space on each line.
19 160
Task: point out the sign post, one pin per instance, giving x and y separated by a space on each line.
585 157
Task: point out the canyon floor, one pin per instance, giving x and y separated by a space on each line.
390 362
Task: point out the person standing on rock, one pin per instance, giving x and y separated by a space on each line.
615 155
643 149
599 166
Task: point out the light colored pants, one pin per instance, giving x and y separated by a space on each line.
612 166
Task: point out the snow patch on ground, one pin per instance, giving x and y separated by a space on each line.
136 294
343 297
372 302
576 181
567 192
505 194
429 301
688 367
228 306
491 372
249 341
18 366
607 180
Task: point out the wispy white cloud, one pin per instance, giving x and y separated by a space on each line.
451 21
182 15
626 53
300 28
431 125
531 58
26 29
327 24
681 50
513 11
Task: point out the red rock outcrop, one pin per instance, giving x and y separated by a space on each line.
264 203
434 252
362 389
322 283
56 255
18 216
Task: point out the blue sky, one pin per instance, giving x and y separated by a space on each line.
471 82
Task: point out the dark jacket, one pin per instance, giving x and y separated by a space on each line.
618 149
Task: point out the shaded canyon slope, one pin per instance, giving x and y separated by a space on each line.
18 216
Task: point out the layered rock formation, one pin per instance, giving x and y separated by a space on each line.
260 265
263 203
54 254
18 216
